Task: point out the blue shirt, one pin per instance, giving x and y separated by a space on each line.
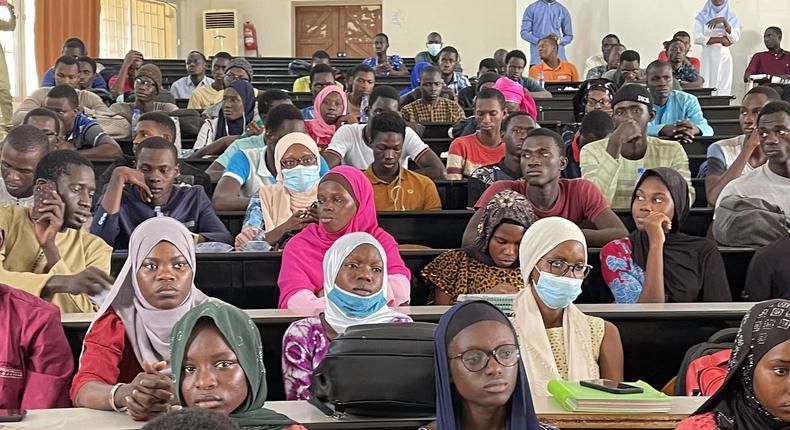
49 80
239 167
542 18
679 106
307 112
395 61
87 133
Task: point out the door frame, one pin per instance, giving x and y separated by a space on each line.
298 3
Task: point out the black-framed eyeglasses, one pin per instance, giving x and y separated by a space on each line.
230 77
139 82
476 360
560 268
596 102
290 163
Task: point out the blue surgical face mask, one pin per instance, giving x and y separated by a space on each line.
434 48
300 178
356 306
557 292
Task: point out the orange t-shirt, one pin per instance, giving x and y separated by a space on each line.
565 72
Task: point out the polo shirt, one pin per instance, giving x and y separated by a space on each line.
411 192
564 72
349 144
467 154
770 64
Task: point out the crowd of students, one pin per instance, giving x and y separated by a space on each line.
312 182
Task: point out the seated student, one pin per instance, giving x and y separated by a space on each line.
217 342
196 76
239 69
249 169
356 288
515 128
577 200
383 64
147 84
125 361
433 47
767 277
396 188
516 99
615 164
50 123
413 92
682 70
484 147
628 71
454 80
88 70
596 125
753 394
284 206
53 256
149 190
490 264
73 48
609 42
37 361
686 39
361 84
321 76
657 263
153 124
612 62
728 159
553 259
205 96
22 149
431 107
304 84
476 343
774 61
123 82
352 145
192 419
515 63
678 114
84 133
771 181
487 68
553 68
238 109
345 205
593 95
332 107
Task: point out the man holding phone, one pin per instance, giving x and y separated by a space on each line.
6 108
53 257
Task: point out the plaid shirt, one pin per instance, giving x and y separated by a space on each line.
443 111
686 73
458 83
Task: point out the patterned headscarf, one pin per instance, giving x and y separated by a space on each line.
505 206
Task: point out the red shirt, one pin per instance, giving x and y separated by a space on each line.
107 355
467 154
578 200
706 421
127 87
35 357
693 60
770 64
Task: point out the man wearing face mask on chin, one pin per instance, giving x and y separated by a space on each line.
431 54
553 259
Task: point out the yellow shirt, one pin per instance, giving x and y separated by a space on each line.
565 72
24 267
413 192
204 96
302 85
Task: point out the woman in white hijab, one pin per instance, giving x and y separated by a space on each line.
557 340
125 361
716 28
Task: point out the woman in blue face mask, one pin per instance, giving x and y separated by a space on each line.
355 284
557 340
285 205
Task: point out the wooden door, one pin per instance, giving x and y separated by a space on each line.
339 30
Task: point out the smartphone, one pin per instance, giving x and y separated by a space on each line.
611 387
12 415
42 191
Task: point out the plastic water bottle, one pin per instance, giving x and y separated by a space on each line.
541 79
363 107
135 120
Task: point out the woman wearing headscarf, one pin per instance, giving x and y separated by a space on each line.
238 110
147 85
754 394
331 107
716 28
593 95
516 97
490 265
558 341
355 284
657 263
125 361
284 206
216 329
345 205
476 348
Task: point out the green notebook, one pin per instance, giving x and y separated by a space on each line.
573 397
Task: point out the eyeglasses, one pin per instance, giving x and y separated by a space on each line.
144 83
290 163
560 268
596 102
476 360
230 77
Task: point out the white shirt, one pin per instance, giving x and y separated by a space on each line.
7 199
183 87
350 145
761 183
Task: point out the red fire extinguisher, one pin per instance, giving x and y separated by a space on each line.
250 37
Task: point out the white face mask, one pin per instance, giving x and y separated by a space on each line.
434 48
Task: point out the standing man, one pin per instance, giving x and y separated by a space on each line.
546 18
775 61
6 108
196 71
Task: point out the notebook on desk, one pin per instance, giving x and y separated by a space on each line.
574 397
502 301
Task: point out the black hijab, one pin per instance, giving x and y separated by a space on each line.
766 325
506 206
235 127
685 256
580 98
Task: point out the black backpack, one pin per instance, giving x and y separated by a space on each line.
379 370
719 341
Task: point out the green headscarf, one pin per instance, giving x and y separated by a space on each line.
243 337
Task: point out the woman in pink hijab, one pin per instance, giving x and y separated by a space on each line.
331 106
516 97
345 205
